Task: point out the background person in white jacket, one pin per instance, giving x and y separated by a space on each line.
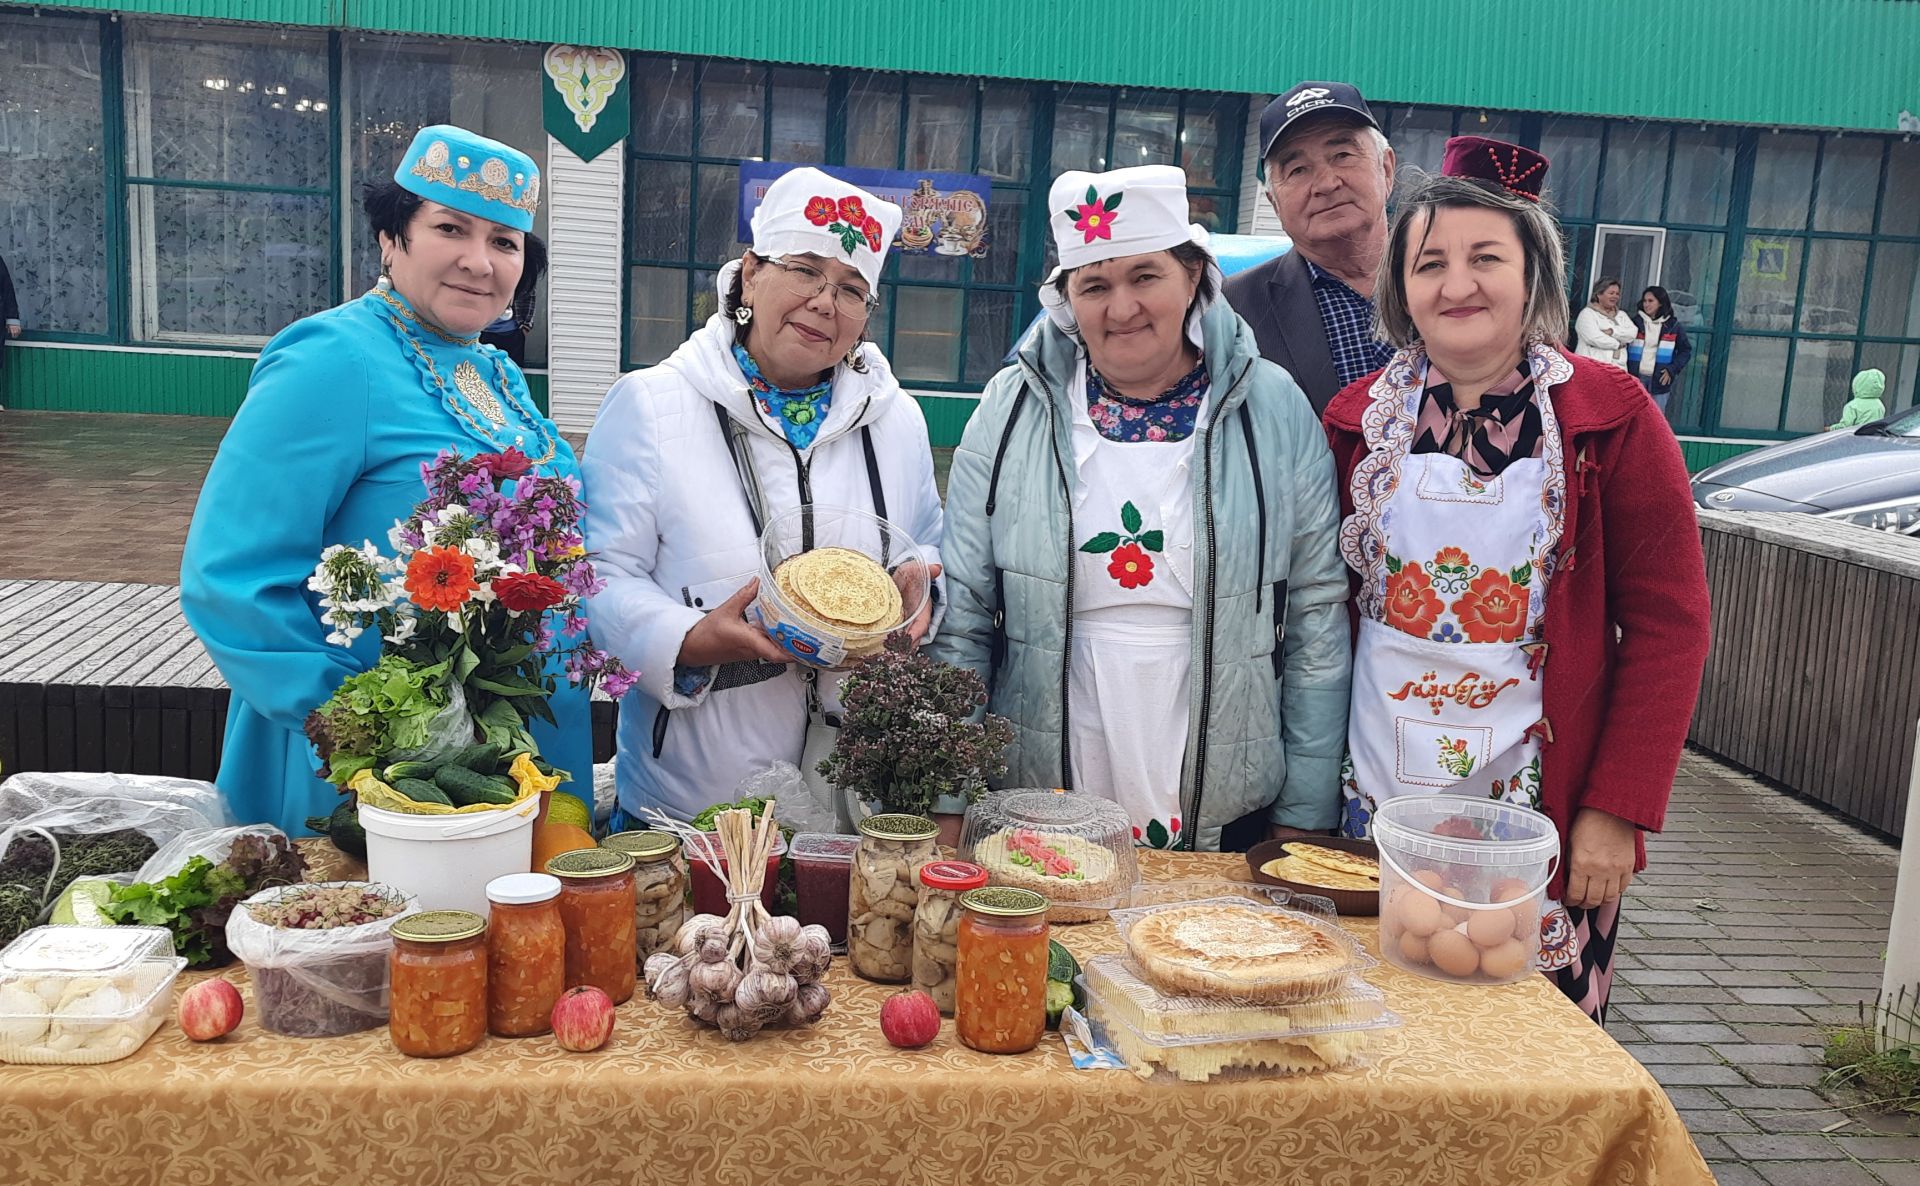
1602 331
777 385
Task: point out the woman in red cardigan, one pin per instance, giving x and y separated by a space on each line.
1530 598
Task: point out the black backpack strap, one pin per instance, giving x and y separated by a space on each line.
749 481
879 493
997 645
1259 501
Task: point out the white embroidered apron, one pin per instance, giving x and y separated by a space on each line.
1132 621
1454 570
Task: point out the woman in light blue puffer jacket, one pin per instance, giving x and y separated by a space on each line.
1140 546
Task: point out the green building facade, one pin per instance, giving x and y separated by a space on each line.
177 178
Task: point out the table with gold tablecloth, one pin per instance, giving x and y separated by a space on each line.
1483 1086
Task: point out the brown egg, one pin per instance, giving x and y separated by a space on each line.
1526 922
1430 879
1420 914
1454 914
1454 953
1490 928
1506 961
1508 889
1390 927
1414 948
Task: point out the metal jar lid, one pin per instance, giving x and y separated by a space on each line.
952 875
1004 901
439 926
643 844
585 863
899 826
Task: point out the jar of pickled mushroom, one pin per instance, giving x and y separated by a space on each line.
659 887
438 983
936 926
596 904
882 894
526 954
1000 988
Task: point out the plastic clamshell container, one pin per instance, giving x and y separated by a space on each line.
1197 1021
1311 981
822 879
1463 887
1075 850
77 995
803 634
1117 1015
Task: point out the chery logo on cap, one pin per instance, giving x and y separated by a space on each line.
1312 92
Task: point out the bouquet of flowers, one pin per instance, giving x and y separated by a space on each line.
482 586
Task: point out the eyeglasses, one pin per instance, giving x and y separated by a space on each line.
807 283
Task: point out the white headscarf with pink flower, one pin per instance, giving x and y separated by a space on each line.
1102 216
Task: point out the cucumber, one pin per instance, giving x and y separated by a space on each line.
483 757
400 770
468 787
421 791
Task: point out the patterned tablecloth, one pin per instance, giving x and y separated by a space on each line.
1484 1086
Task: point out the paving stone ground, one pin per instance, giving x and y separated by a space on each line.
1761 919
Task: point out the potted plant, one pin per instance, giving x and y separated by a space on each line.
909 740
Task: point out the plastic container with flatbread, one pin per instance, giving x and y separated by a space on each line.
876 598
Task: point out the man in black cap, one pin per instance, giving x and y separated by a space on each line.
1329 171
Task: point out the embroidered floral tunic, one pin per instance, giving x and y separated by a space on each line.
342 409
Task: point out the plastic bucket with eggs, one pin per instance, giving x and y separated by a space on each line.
1462 886
806 631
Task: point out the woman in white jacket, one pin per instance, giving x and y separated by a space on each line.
777 391
1602 331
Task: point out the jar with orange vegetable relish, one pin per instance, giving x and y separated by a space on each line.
438 975
1000 994
596 904
526 954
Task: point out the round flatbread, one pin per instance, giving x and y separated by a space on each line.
845 587
1237 952
1304 872
1335 859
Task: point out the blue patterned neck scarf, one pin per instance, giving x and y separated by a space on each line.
799 413
1168 417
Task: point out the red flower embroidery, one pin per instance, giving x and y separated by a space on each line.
1493 609
1412 605
821 211
870 227
525 592
1450 558
853 211
1130 566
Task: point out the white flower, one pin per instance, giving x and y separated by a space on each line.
395 538
403 630
485 553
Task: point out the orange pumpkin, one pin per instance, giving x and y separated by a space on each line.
551 838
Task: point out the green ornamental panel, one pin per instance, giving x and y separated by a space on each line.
585 104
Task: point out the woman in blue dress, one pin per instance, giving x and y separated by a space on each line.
342 409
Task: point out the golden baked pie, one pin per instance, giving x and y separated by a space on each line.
1240 953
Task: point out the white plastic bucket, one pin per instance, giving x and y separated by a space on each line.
1463 885
446 861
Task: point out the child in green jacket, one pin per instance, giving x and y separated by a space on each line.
1866 406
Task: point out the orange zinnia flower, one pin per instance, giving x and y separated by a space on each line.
440 578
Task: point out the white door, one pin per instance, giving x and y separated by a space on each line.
1633 254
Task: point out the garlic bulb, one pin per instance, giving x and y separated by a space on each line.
658 963
689 933
761 990
716 980
812 999
672 987
735 1025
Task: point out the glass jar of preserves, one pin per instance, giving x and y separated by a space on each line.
1000 994
936 926
526 954
438 975
882 894
596 903
659 887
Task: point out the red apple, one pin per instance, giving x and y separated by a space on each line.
210 1009
910 1019
583 1018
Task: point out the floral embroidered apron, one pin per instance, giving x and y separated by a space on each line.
1132 621
1453 582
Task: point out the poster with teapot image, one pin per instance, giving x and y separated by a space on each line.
943 213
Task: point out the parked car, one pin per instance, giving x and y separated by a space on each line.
1868 475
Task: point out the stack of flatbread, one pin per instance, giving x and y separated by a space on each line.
1327 868
843 592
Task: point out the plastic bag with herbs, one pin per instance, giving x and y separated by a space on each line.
318 954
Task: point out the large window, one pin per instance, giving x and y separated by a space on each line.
53 192
944 322
396 86
229 203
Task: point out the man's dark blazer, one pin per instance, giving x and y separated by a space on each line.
1276 299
